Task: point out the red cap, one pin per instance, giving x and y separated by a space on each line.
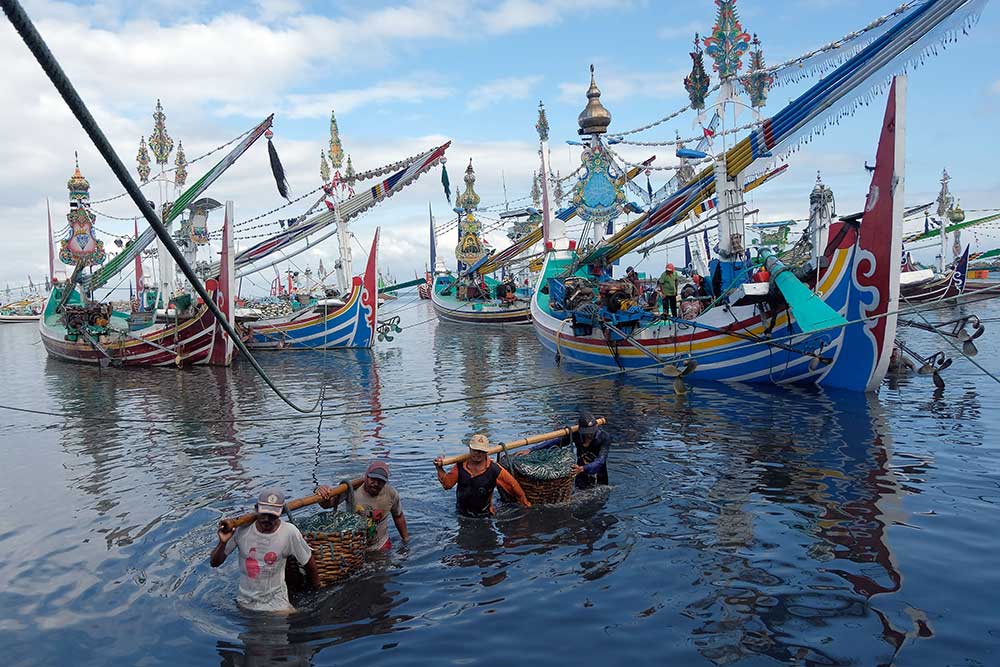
378 470
670 267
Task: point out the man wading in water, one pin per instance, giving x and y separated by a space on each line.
477 478
592 447
378 501
264 547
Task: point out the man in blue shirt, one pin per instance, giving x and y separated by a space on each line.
592 446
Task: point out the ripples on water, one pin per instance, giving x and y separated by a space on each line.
745 525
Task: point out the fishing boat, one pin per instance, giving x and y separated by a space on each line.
176 329
25 310
74 327
326 323
349 321
470 296
926 285
831 321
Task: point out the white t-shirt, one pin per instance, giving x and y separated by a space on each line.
262 564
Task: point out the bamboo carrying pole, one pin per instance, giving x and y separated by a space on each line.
247 519
523 442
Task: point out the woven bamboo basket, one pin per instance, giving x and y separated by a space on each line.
546 488
337 556
546 491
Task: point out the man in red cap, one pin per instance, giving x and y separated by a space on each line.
376 501
668 290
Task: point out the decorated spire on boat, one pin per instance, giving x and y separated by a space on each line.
324 167
536 190
728 41
180 161
558 195
598 195
159 141
336 150
80 247
696 83
543 123
142 161
350 175
594 119
758 82
944 198
470 246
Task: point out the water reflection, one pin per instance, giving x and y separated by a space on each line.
831 484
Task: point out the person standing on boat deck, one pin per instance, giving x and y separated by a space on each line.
378 501
668 290
633 279
592 447
264 547
477 477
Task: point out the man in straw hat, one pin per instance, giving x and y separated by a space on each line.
477 477
264 547
376 501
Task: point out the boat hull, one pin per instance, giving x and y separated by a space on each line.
323 327
187 342
484 312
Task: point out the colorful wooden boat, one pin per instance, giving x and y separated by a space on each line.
935 287
324 325
449 305
75 328
860 282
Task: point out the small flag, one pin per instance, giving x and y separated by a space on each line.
709 133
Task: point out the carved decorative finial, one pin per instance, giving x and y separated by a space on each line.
728 42
159 141
594 119
543 123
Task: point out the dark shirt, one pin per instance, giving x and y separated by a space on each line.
593 459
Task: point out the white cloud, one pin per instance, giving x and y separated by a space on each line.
618 86
506 89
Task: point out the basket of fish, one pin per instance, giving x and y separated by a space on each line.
546 475
338 541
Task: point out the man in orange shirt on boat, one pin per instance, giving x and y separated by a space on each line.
477 477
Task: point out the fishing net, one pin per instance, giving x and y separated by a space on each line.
332 522
546 475
543 464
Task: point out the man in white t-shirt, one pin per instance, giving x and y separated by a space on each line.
264 547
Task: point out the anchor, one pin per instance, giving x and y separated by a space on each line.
931 365
963 329
386 327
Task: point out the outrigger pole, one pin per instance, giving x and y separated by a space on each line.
36 44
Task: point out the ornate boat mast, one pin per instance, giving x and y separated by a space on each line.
470 245
162 145
597 195
339 185
80 245
945 201
821 212
726 46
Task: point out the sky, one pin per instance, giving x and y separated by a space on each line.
403 77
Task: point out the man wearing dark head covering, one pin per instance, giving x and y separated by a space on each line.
592 447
